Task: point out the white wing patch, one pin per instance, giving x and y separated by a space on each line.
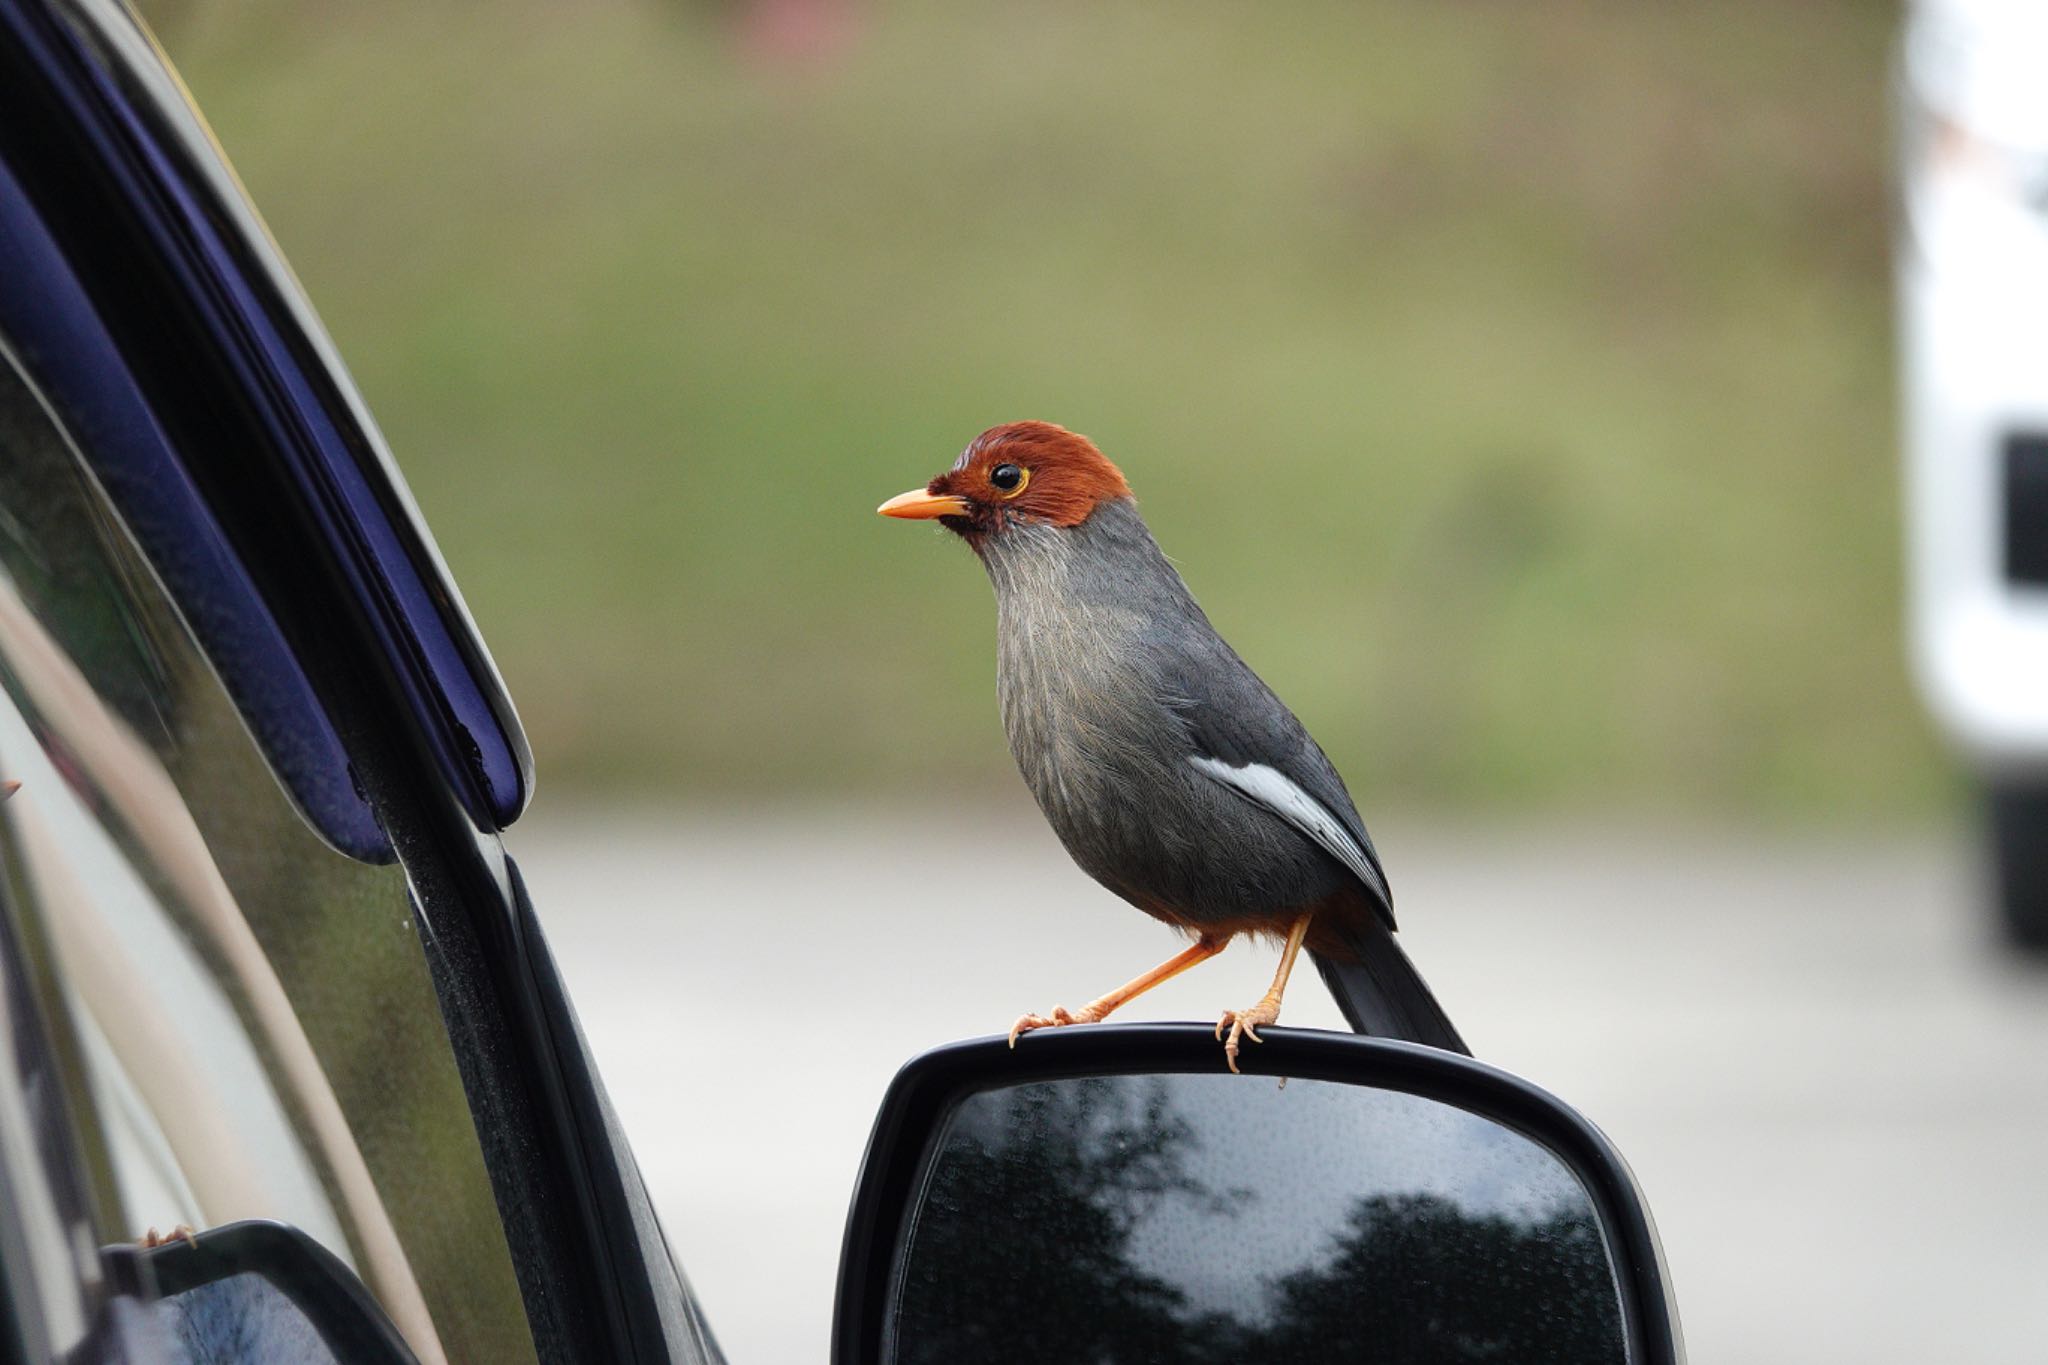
1278 793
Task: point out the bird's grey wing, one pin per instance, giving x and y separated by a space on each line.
1245 738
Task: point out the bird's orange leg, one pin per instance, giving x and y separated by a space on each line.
1246 1023
1097 1009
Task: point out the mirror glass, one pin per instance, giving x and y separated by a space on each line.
243 1318
1196 1218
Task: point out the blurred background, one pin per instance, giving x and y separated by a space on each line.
1515 387
1512 383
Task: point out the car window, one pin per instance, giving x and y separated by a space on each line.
256 1031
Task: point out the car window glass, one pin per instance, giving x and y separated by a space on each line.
257 1032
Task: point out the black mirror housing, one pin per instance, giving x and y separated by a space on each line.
941 1090
254 1271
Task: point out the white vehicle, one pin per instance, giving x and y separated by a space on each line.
1973 300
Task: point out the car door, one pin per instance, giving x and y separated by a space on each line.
287 972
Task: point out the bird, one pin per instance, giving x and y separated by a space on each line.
1169 770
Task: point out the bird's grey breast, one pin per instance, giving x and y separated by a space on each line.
1079 704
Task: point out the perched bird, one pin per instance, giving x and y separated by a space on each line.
1172 774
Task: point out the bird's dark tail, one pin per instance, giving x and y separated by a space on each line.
1381 993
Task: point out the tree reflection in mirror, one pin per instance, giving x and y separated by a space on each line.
1134 1220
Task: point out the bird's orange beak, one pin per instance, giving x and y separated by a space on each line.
918 505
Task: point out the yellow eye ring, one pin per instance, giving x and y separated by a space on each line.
1010 479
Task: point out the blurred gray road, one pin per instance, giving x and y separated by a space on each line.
1834 1092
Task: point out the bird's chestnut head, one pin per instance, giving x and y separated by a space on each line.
1020 473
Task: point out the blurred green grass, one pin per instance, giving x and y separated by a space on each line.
1511 383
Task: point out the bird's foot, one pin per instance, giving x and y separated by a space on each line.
1060 1017
181 1233
1246 1024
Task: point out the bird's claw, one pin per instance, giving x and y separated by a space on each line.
1060 1017
1245 1024
181 1233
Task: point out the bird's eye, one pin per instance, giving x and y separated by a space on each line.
1010 478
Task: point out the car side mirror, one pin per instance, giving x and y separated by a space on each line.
1112 1194
257 1290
